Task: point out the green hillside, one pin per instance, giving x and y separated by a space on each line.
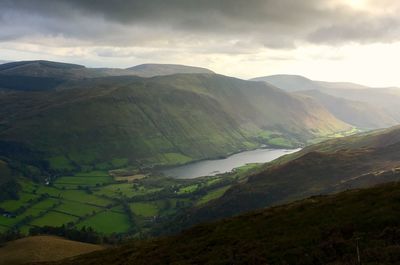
112 122
318 230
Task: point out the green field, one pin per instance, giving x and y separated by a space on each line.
212 195
145 209
84 197
125 190
83 179
94 199
108 222
77 208
53 219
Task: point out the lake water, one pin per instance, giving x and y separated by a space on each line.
218 166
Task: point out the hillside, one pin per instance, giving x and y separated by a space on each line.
352 162
111 122
42 248
357 104
318 230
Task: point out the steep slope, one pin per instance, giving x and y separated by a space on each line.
360 114
150 70
352 162
382 103
318 230
161 120
42 248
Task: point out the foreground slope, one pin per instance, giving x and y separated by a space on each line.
352 162
318 230
111 122
42 248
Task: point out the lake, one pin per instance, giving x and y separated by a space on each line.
218 166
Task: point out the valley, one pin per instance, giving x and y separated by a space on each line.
199 132
112 205
110 156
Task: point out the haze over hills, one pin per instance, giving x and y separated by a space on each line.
361 106
293 83
360 114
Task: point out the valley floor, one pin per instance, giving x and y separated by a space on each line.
111 205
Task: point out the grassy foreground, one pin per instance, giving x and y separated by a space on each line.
42 248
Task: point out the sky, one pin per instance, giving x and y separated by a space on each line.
332 40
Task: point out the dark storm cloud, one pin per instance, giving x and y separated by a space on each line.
269 23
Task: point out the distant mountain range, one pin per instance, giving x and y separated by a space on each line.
44 75
361 106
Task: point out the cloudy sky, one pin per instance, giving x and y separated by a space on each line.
334 40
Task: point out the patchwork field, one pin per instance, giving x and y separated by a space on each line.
97 200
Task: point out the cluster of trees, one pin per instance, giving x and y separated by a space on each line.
85 234
10 235
9 190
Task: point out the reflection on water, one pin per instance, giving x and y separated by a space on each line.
213 167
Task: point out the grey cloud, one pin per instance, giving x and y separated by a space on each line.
269 23
365 30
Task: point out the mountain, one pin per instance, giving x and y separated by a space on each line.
300 83
47 75
360 114
110 122
38 75
289 83
345 163
150 70
42 248
318 230
379 105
